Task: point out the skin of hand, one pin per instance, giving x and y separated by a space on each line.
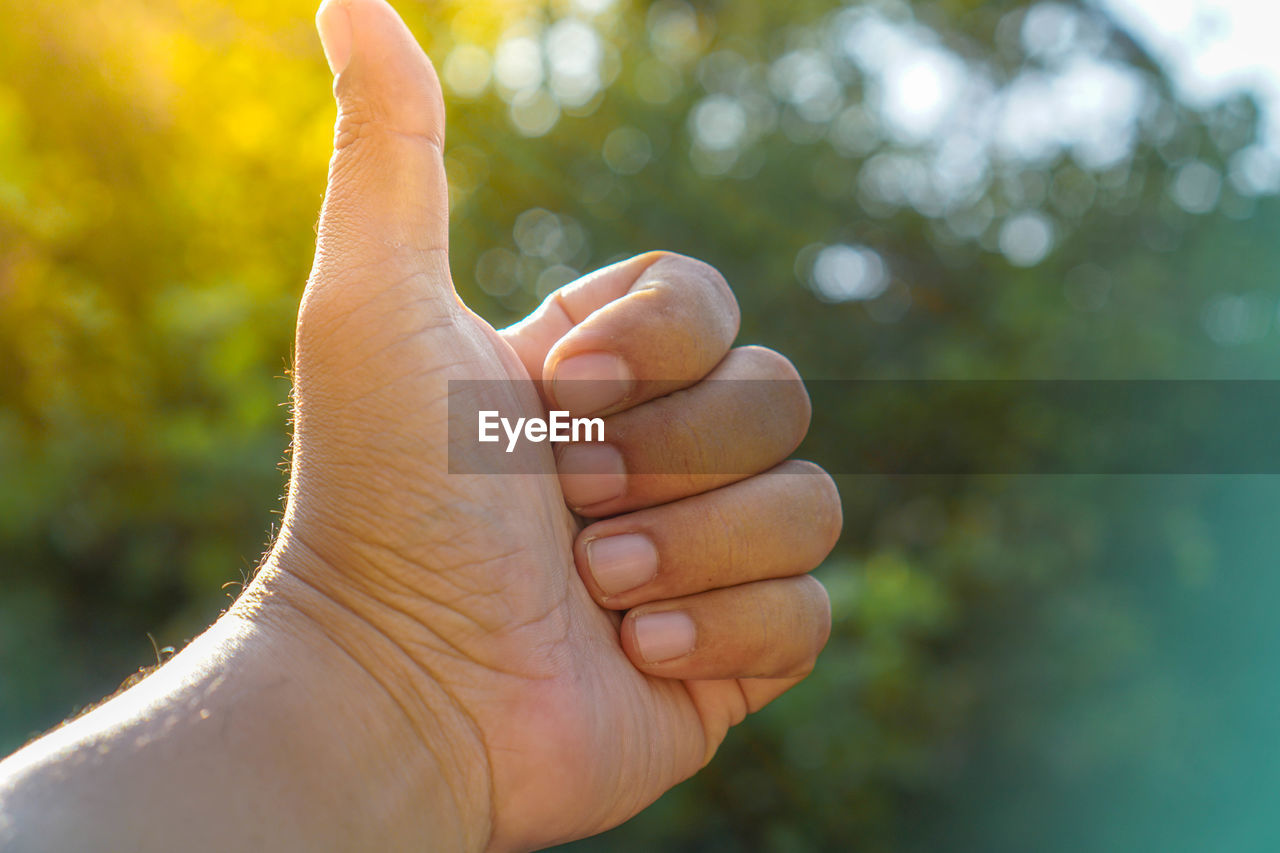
462 661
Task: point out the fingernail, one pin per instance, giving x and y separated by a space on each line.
334 26
591 474
620 563
663 636
591 382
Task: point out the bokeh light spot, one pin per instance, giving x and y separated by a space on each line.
574 55
673 31
1196 187
553 278
920 92
627 150
498 272
593 7
517 64
719 122
467 70
842 273
806 80
538 233
1233 320
1255 171
1025 238
534 112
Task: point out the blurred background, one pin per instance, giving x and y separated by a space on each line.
946 189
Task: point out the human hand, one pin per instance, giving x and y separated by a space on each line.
418 661
457 591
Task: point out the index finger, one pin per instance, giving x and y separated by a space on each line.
628 333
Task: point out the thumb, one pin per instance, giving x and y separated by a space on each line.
387 198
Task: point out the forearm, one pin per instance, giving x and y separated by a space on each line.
228 747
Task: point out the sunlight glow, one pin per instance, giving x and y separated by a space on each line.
1212 48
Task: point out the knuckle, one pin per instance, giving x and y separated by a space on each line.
785 388
817 501
830 511
362 123
818 612
707 281
356 120
697 271
416 112
800 467
766 363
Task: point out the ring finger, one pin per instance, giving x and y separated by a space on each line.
778 524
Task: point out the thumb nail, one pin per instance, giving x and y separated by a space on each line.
334 26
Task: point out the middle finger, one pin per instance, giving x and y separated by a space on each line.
749 414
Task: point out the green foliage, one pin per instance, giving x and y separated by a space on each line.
1008 653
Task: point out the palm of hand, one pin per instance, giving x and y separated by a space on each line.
471 576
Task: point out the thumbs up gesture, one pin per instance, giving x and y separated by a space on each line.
583 671
467 660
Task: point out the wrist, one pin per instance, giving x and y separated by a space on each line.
394 756
262 734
